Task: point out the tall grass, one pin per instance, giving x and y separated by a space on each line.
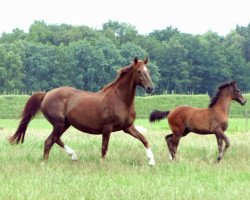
124 174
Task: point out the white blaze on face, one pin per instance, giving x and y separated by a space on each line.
145 69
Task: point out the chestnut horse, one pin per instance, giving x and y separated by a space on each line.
108 110
211 120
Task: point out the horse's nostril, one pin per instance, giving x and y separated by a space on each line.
149 89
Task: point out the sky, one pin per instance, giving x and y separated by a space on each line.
189 16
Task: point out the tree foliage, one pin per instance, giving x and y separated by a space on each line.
50 56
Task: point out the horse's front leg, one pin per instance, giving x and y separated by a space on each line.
105 141
220 147
135 133
221 136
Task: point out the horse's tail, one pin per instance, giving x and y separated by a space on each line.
30 110
158 115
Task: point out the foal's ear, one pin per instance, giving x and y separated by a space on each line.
233 82
135 60
145 61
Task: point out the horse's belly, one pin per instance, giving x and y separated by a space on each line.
201 131
87 129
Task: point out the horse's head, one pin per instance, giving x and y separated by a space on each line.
236 93
141 75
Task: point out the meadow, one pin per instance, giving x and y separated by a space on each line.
12 105
125 173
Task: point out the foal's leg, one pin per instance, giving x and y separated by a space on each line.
223 137
168 139
220 146
175 143
135 133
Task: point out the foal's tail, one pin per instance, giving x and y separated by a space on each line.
30 110
158 115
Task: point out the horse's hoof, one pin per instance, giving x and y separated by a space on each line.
151 163
170 157
74 158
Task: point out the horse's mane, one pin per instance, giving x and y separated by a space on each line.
121 72
215 98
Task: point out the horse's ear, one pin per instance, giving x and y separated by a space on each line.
233 82
135 60
145 61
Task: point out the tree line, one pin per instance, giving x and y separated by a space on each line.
52 55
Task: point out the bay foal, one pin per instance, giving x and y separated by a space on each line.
211 120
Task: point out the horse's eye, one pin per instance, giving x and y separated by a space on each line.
139 71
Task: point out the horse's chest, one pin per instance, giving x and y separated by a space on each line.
118 120
224 125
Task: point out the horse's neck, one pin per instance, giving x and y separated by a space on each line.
223 103
125 89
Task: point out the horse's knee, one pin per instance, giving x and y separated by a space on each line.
227 141
48 143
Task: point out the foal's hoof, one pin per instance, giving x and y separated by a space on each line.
44 162
218 159
151 163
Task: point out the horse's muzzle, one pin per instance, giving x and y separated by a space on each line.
149 90
243 103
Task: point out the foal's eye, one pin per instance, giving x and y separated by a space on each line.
139 71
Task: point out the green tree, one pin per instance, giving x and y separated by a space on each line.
16 35
11 68
174 68
123 31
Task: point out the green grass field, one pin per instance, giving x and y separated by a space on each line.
125 173
12 105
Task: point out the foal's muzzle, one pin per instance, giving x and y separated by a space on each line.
243 103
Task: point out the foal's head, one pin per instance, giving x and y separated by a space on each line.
236 93
231 90
141 75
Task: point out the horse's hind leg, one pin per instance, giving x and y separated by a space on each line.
168 139
175 143
69 150
49 142
54 137
172 146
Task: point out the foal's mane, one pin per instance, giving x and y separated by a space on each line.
121 72
215 98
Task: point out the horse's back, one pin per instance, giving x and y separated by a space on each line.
185 110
